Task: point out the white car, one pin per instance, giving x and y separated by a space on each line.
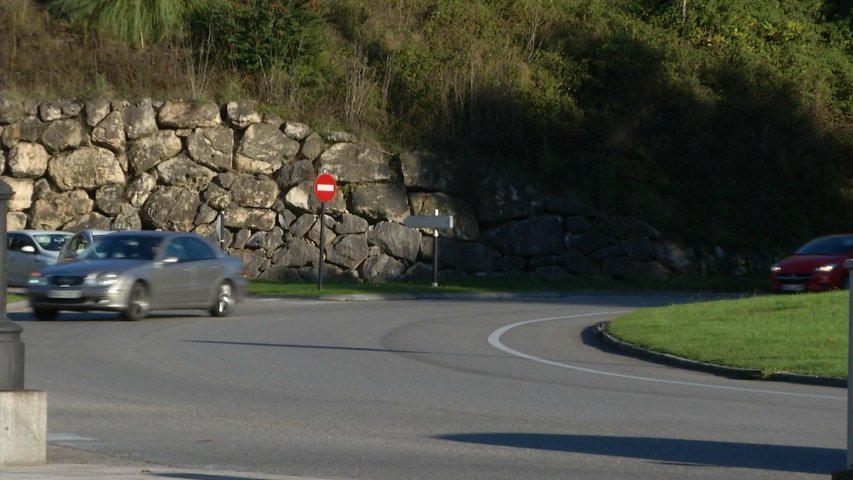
29 251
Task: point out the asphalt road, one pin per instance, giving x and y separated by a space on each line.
415 389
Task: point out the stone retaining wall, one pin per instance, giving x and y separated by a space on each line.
177 165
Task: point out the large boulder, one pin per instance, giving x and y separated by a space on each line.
59 109
252 218
53 210
348 251
109 132
22 193
264 148
11 111
529 237
427 171
28 129
28 160
85 168
468 257
257 191
183 172
63 134
242 114
464 221
350 163
146 153
381 268
170 208
396 240
140 120
380 201
109 199
96 110
139 188
189 115
297 253
212 147
499 199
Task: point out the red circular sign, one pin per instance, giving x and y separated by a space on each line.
325 187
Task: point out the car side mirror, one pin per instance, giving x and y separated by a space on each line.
28 249
169 260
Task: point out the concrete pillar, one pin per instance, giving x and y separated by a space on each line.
23 413
23 428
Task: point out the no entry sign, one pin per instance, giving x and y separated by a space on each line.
325 187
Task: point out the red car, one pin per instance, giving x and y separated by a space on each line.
816 266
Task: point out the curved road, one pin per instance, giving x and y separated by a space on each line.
514 388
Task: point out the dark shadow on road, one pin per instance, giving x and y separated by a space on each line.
201 476
810 460
338 347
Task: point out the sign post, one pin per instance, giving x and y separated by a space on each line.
847 474
435 222
325 188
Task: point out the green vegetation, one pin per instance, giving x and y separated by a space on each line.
509 284
726 124
804 334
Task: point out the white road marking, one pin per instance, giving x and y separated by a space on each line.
495 341
61 437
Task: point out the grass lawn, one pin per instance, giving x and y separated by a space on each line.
804 333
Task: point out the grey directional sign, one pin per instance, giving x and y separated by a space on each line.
429 221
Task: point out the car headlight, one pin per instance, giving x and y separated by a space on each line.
826 268
100 279
36 278
775 269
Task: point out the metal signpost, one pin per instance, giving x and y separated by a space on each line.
848 473
325 188
435 222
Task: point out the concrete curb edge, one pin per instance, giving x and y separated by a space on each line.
722 370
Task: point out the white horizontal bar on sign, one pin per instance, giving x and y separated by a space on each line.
429 221
325 187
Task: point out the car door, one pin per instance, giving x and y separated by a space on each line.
172 277
208 270
21 259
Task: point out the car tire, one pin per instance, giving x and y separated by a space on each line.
224 302
45 314
138 303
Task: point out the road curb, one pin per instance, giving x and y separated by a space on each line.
722 370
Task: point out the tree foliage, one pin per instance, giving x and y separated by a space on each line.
721 122
260 35
137 22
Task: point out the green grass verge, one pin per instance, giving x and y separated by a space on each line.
805 334
507 284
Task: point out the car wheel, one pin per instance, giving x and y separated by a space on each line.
138 303
224 302
45 314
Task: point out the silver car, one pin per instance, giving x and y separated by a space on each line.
31 250
134 272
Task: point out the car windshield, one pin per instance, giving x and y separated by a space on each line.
827 246
51 242
122 247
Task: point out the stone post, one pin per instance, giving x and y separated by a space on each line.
23 413
11 346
